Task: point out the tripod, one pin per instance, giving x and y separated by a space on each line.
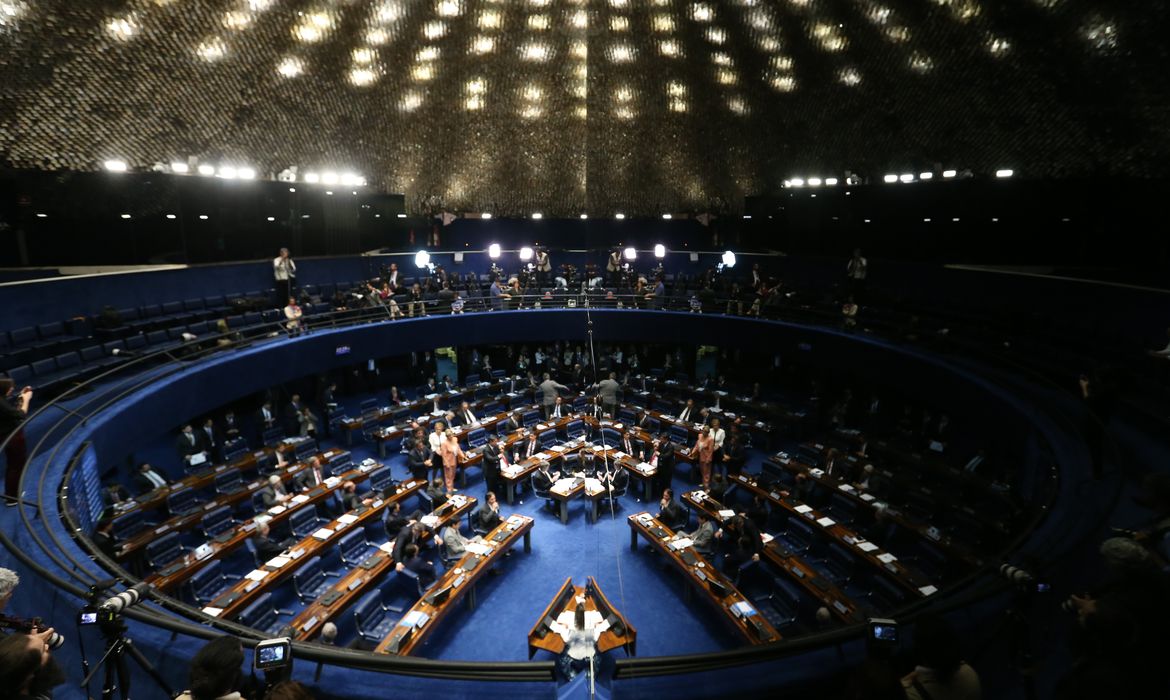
118 647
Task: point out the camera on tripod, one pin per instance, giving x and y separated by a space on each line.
1023 579
108 612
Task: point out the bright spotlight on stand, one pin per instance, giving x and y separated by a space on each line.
890 178
180 168
421 259
659 251
207 170
525 254
494 251
668 217
115 166
538 215
907 177
630 254
728 259
486 215
1004 173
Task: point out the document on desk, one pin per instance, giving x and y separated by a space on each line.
886 558
563 485
323 534
479 548
277 562
414 618
846 488
277 510
826 522
332 481
802 509
726 513
347 519
387 547
214 612
681 543
867 546
593 486
299 498
256 575
866 497
927 590
429 520
557 448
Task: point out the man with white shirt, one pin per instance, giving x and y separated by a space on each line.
558 410
312 476
189 445
465 415
688 413
147 479
284 272
274 493
392 277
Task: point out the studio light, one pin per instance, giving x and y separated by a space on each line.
830 181
401 216
329 178
584 216
486 215
203 217
272 218
907 177
312 178
925 176
525 254
227 172
422 259
180 168
171 216
125 216
668 217
494 251
41 215
890 178
630 254
659 251
246 174
728 259
207 170
1004 173
292 189
814 182
619 215
115 166
950 173
796 182
537 215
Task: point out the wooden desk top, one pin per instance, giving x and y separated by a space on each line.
238 596
567 600
182 523
660 536
460 578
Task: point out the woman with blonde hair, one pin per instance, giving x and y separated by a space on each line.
451 453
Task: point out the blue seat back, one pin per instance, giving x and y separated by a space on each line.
128 525
625 415
207 583
303 521
611 437
261 614
181 501
308 577
304 450
477 437
164 549
352 546
575 428
381 479
531 418
340 463
547 439
228 480
471 380
217 521
368 612
679 434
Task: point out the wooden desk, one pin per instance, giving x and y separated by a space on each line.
821 588
697 571
238 596
182 523
424 405
566 600
460 579
359 580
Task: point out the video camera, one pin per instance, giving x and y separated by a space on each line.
30 625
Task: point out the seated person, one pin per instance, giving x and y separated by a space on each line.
311 476
515 422
465 416
559 409
633 446
455 541
148 478
274 493
425 569
103 538
525 447
742 538
350 500
617 479
487 517
266 546
758 512
718 488
704 537
396 520
587 464
670 512
412 535
114 494
437 492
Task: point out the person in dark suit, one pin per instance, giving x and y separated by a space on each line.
525 448
420 458
559 409
487 517
266 547
718 488
148 479
742 539
618 479
211 440
396 520
688 413
350 500
670 513
633 446
493 452
758 512
114 494
543 478
666 460
266 419
437 492
465 416
311 476
103 538
188 443
549 391
231 426
734 451
292 415
274 493
425 570
515 422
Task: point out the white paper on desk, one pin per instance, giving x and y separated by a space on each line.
256 575
619 454
299 498
818 473
541 426
846 488
592 485
277 510
886 558
429 520
323 534
347 519
214 612
387 547
332 481
927 590
681 543
557 448
802 509
261 518
866 497
867 546
479 548
645 468
826 522
726 513
540 455
766 538
277 562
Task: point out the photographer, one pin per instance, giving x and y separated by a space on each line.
27 669
941 673
216 671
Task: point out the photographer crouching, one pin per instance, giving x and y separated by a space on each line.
27 668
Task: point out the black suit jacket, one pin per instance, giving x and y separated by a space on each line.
188 446
486 518
541 480
351 501
304 480
268 496
491 457
142 484
416 458
425 570
514 423
405 536
672 514
267 548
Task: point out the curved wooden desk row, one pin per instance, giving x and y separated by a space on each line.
177 572
153 500
618 633
456 583
187 521
737 611
953 548
419 407
359 580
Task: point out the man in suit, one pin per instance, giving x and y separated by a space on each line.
266 547
543 478
114 494
666 460
265 418
437 492
274 493
670 512
704 537
420 457
311 476
350 499
493 454
688 412
607 389
734 451
741 537
549 390
211 440
231 427
188 444
559 409
487 517
423 568
594 409
465 416
396 520
148 479
455 541
292 415
328 405
515 422
103 538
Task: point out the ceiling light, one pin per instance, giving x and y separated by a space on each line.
486 215
890 178
668 217
179 167
125 216
421 259
728 259
830 181
630 254
907 177
538 215
272 218
115 166
494 251
925 176
207 169
619 215
1004 173
203 217
659 251
401 216
312 178
950 173
525 254
814 182
584 216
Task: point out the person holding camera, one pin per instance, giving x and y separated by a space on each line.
941 673
215 672
27 668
